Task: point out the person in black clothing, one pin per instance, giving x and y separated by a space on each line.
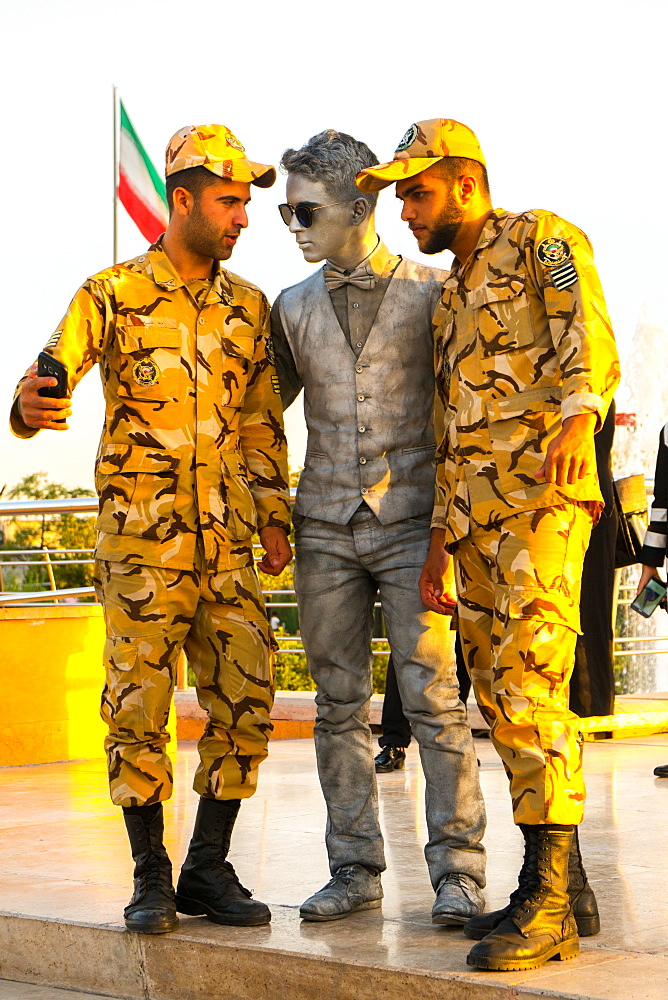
655 546
396 727
592 690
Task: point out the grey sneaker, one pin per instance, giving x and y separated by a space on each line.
458 898
352 888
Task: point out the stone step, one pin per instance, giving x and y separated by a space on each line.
361 958
28 991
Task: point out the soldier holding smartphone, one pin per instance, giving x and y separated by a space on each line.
192 460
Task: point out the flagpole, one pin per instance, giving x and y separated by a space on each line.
115 256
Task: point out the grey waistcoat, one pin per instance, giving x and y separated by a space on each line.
369 419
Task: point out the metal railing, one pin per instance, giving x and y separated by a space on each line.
51 559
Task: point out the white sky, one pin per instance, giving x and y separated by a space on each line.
568 100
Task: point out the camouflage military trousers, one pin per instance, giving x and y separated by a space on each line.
518 591
150 614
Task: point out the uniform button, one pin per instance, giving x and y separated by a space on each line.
358 369
361 399
356 305
364 491
359 344
201 321
362 461
141 259
361 429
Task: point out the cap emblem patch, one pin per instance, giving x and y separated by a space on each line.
553 251
146 372
234 142
408 139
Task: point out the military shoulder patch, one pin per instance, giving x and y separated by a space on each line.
269 350
553 251
53 339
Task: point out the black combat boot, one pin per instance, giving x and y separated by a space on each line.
208 884
541 925
583 900
152 909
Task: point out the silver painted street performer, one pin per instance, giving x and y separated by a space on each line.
357 336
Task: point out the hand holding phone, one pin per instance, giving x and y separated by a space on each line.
48 367
43 404
650 597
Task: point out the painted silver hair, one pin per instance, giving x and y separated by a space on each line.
334 158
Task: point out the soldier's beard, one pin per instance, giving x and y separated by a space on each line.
444 231
204 238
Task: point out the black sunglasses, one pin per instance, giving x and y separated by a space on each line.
304 212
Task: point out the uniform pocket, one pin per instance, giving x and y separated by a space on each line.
546 606
150 362
502 316
239 513
521 427
137 489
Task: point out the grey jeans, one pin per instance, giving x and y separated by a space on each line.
338 570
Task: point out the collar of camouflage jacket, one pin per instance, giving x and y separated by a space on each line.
490 232
159 267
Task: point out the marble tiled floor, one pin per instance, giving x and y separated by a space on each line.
64 855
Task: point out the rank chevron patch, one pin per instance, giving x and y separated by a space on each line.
564 276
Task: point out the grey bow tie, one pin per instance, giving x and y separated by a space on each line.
362 277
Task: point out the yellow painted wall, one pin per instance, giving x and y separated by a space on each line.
51 678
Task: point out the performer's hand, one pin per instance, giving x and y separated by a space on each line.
42 412
277 551
431 582
648 573
571 455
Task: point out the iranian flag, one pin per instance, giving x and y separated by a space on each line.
140 187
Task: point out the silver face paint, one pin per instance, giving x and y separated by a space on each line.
332 227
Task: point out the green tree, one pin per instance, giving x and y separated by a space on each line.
52 531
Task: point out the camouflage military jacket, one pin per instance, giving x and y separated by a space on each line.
193 435
523 341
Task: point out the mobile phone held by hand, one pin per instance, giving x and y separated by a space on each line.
48 367
653 593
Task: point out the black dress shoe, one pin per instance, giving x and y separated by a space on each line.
390 759
661 771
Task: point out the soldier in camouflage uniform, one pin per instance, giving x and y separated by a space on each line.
192 461
527 368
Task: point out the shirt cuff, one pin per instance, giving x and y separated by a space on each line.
18 427
584 402
438 517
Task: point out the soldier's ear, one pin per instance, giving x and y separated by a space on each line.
466 187
183 201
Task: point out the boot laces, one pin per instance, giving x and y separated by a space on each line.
153 878
225 870
529 880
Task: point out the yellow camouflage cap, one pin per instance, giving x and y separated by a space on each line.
421 146
217 149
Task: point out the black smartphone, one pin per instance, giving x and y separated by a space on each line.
48 367
649 598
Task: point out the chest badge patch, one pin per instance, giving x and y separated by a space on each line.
146 372
553 251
